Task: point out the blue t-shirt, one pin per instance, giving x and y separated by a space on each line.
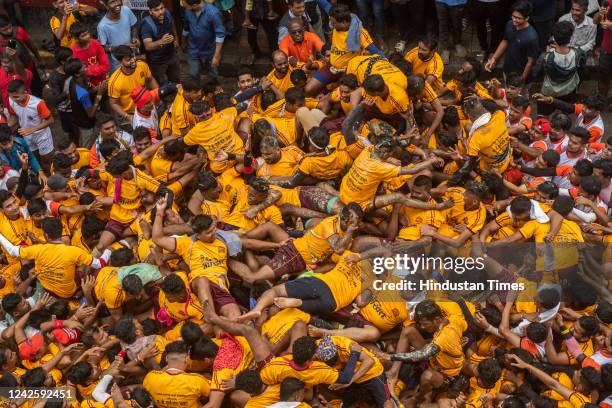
205 31
166 52
114 33
83 96
521 45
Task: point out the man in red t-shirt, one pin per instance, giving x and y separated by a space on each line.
91 53
12 68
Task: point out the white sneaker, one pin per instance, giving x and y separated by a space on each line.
460 51
445 54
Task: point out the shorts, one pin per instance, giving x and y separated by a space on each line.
316 296
605 65
41 141
116 228
287 261
316 199
326 77
344 315
377 387
220 297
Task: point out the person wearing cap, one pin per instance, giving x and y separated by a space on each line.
130 75
145 113
539 134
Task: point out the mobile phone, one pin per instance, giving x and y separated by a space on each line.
12 43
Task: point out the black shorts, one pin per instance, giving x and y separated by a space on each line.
316 296
605 65
377 387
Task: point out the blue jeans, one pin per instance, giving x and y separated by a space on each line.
378 9
196 65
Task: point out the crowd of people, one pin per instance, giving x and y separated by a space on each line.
173 243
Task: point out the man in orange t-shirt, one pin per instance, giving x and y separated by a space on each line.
301 45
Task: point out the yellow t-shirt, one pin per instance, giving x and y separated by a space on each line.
344 281
416 218
450 358
282 84
160 167
397 101
278 325
131 190
190 310
565 246
386 309
361 182
325 166
391 74
433 66
15 232
206 259
67 40
477 391
339 54
314 372
288 196
56 264
474 219
176 388
270 396
218 376
238 219
313 246
491 143
121 86
108 289
181 117
286 165
344 351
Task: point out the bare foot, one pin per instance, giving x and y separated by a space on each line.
315 331
285 303
253 314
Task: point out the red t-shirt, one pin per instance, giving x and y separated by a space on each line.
95 60
22 36
5 78
607 35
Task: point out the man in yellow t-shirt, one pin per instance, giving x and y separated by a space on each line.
444 352
55 261
278 161
280 76
365 65
130 75
427 62
389 98
182 119
254 207
64 19
172 386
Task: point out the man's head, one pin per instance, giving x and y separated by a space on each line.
579 137
416 84
80 32
6 27
296 29
579 10
249 381
562 32
475 193
258 191
541 129
340 17
6 60
143 99
602 169
292 389
192 89
245 79
201 110
582 168
560 124
303 350
488 372
420 188
584 328
427 48
74 67
521 209
120 165
52 228
563 205
194 5
473 108
270 149
174 289
385 146
546 191
375 85
106 126
297 7
6 137
142 138
113 7
176 355
280 62
205 228
518 107
346 85
593 105
62 165
318 138
428 316
174 150
590 187
126 57
549 158
17 91
350 213
208 185
156 9
521 13
9 205
295 99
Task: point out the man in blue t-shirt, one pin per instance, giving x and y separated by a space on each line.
117 27
520 43
158 35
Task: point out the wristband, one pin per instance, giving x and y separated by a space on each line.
231 156
58 324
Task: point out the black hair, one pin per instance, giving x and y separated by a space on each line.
423 181
294 95
102 118
203 348
551 157
107 147
582 3
563 205
562 32
172 284
513 402
492 315
303 350
595 102
125 330
5 133
514 79
341 13
290 386
151 4
37 206
141 132
427 310
590 378
79 373
374 83
35 377
536 332
582 133
15 85
10 302
489 372
524 7
590 185
191 332
249 381
584 167
191 83
176 347
62 54
175 149
520 101
561 121
296 76
430 42
589 324
60 308
478 188
267 98
416 83
352 207
121 257
119 163
349 80
122 51
548 298
206 180
78 28
319 136
605 165
52 227
151 327
61 161
132 284
603 311
221 101
201 223
244 71
549 188
520 204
